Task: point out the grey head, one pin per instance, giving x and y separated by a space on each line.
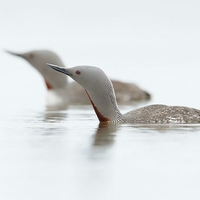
38 59
89 77
98 87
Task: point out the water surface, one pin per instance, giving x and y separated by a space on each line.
68 155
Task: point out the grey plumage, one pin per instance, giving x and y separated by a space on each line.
101 94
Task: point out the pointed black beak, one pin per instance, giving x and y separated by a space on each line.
59 69
15 54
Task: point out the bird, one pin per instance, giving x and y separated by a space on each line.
56 84
64 93
101 93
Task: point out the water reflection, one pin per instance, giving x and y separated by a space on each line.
105 135
54 116
55 113
165 128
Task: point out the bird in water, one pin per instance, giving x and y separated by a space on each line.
101 93
62 93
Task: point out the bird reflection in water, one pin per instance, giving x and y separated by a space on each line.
54 115
105 134
163 128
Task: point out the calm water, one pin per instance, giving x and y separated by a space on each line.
67 155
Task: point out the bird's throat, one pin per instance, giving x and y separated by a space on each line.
101 117
49 87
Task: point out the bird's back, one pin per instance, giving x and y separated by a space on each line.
162 114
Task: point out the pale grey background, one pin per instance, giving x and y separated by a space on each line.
64 155
152 43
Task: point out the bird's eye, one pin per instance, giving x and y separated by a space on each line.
31 55
78 72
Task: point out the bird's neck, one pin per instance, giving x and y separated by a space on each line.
48 85
105 105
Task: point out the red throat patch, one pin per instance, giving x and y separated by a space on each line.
99 115
49 87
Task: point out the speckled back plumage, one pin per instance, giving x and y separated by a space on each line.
162 114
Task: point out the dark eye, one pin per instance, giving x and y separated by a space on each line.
78 72
31 55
